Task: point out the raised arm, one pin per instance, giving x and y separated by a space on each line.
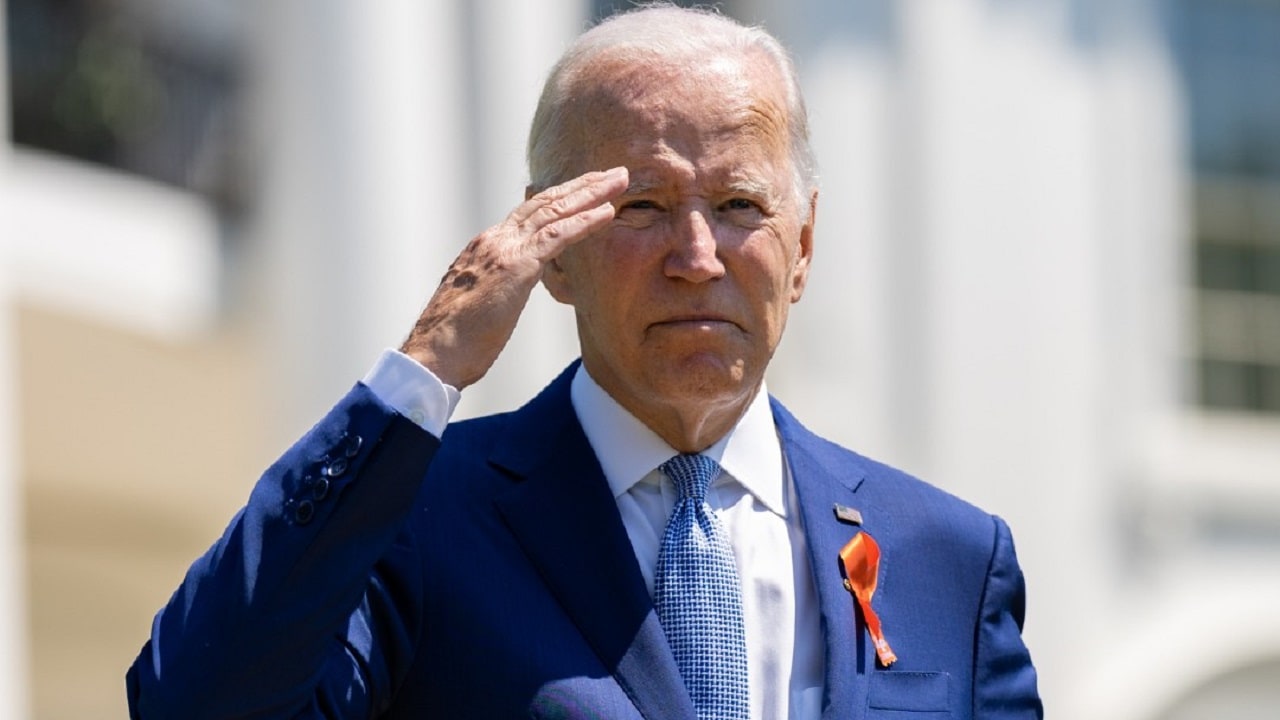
309 604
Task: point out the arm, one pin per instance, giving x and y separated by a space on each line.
308 606
1004 678
264 621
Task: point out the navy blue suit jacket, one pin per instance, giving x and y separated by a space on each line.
378 572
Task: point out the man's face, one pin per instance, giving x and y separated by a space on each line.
682 300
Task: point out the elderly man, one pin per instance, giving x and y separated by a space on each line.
651 536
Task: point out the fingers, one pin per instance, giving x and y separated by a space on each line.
604 179
583 198
549 241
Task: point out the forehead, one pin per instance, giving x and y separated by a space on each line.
723 111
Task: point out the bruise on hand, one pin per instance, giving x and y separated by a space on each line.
461 312
464 280
458 280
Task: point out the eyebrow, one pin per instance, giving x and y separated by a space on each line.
641 186
750 185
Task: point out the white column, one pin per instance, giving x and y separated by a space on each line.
360 129
14 700
516 43
835 365
1010 234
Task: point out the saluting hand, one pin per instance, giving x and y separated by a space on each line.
473 312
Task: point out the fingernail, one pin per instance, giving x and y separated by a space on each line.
619 171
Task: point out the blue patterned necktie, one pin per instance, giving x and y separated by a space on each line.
699 597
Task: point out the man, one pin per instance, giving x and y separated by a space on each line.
567 559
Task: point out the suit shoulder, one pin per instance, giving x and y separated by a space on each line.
907 497
884 478
913 513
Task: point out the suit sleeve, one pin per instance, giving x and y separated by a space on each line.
308 604
1004 678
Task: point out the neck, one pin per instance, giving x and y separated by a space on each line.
695 430
687 425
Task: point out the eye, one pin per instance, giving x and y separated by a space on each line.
639 205
637 213
739 204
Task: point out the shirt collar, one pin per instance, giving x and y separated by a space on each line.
628 450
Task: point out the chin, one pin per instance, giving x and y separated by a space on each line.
703 376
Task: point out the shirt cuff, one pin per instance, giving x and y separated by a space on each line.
412 390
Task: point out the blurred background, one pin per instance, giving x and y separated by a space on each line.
1047 279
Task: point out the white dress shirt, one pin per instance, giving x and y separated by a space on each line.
753 497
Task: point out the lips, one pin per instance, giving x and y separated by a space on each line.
694 320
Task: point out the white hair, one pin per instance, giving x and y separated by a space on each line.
650 36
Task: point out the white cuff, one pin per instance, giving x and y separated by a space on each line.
413 391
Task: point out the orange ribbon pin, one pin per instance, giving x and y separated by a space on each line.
860 559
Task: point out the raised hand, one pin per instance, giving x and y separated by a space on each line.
473 312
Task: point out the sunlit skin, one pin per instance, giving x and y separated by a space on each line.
682 298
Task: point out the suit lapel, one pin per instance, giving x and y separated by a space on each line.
567 522
820 486
564 517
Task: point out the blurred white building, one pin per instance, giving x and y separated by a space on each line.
1047 278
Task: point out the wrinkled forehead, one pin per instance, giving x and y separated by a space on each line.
618 98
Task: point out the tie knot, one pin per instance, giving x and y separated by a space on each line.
692 474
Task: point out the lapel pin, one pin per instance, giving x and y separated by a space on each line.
847 514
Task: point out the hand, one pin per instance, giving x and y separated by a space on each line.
472 314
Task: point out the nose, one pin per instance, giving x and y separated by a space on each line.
693 255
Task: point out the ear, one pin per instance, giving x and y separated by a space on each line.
557 282
804 253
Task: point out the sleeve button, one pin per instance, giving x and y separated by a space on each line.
320 490
304 512
335 468
352 445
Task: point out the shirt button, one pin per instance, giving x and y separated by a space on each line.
417 417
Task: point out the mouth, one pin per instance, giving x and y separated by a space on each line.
694 321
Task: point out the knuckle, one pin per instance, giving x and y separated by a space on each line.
553 232
559 207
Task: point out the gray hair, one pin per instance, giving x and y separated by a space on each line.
651 34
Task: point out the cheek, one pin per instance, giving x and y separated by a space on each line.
626 262
772 260
600 281
630 244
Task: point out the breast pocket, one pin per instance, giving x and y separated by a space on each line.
909 696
